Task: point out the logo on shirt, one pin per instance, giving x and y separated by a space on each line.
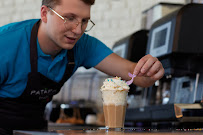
44 92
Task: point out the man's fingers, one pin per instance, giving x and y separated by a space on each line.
140 65
158 75
144 65
155 68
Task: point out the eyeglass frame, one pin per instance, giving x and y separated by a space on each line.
65 20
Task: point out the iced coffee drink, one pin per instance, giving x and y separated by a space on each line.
114 93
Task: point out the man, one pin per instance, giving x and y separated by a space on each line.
38 56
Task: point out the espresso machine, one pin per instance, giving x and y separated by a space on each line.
177 41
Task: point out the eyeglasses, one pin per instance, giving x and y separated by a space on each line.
70 22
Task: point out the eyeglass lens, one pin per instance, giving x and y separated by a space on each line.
73 23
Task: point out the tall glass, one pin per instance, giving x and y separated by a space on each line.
114 107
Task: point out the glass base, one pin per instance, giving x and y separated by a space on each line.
113 129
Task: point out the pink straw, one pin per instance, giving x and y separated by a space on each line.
130 81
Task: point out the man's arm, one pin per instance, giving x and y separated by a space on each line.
148 69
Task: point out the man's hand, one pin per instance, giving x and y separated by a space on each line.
148 70
149 66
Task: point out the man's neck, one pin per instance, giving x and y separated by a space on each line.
46 45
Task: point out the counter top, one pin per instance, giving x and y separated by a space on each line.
105 132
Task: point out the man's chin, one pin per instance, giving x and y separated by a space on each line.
69 46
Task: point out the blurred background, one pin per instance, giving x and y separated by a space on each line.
129 28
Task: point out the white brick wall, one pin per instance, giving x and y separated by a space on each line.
114 19
18 10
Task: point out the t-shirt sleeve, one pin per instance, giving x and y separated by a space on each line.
92 52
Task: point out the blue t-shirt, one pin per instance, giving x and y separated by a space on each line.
15 57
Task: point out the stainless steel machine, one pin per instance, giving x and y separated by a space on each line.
177 41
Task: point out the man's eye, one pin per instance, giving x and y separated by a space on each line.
70 18
85 21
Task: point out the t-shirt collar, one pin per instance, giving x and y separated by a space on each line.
63 52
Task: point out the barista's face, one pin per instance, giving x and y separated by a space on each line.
61 35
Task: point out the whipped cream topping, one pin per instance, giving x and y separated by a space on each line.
114 84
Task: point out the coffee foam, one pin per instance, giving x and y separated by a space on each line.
116 97
114 84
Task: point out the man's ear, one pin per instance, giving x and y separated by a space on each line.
43 13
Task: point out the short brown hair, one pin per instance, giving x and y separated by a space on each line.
52 3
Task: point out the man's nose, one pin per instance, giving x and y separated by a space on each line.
78 28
